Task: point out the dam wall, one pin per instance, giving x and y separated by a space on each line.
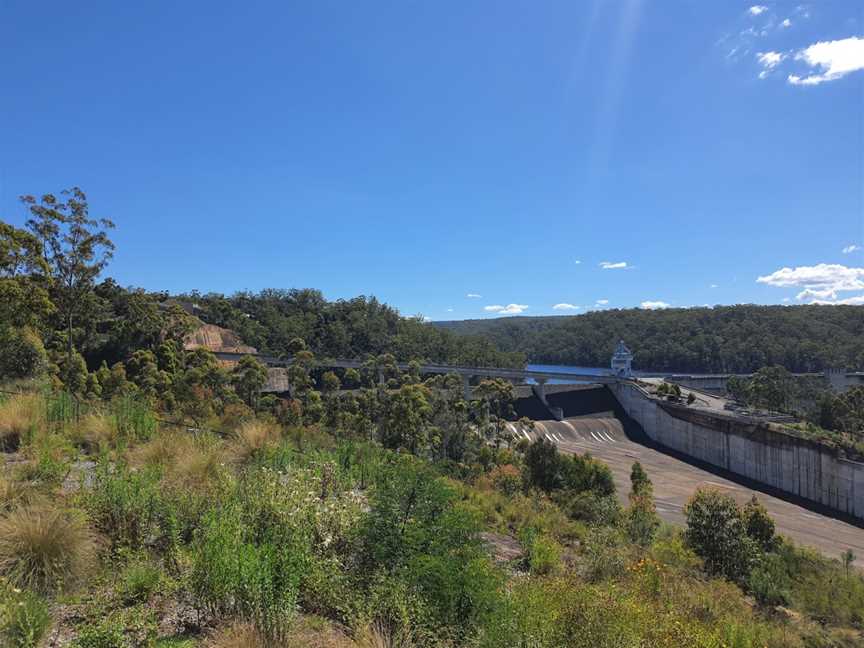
750 449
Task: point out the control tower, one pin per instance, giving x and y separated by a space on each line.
621 361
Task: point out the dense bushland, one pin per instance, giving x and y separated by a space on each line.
320 528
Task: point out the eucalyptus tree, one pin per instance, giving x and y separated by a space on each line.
75 249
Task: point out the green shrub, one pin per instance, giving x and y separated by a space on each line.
138 581
717 532
24 619
769 582
125 504
542 553
248 569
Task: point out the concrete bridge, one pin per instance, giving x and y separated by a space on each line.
539 378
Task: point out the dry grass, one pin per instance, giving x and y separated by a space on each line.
93 432
188 461
14 493
19 415
380 635
250 439
45 549
307 632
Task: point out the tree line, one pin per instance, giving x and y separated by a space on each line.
723 339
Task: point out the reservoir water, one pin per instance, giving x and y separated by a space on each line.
591 371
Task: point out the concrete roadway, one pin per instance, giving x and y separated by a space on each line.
675 481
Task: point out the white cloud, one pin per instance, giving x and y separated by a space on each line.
473 296
786 23
427 319
509 309
820 283
617 265
577 262
833 60
602 302
449 310
849 249
757 10
768 61
654 305
714 286
858 300
564 306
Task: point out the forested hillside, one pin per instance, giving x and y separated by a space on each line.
721 339
271 319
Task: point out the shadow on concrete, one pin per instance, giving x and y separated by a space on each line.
584 400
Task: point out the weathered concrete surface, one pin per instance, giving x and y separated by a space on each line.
755 451
675 481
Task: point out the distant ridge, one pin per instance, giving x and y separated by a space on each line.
740 338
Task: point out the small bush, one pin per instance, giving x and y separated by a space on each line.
125 505
542 553
24 619
44 549
138 581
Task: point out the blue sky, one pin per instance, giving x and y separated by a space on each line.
427 151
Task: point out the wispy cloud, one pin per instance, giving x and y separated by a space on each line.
449 310
565 306
577 262
473 296
769 61
757 10
654 305
509 309
714 286
601 302
831 60
849 249
786 23
614 265
820 284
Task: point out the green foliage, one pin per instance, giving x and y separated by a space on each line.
24 618
272 320
549 470
23 353
127 505
133 418
758 524
249 567
723 339
717 532
768 582
542 553
138 581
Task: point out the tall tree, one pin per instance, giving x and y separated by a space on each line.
75 247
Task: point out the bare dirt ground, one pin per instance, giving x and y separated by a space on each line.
676 480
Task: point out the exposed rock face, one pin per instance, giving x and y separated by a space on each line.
215 338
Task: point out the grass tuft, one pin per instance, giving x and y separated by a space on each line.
44 549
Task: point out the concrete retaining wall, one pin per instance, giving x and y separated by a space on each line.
753 450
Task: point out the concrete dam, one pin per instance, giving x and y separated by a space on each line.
595 421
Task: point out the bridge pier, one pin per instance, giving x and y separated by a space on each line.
466 386
540 390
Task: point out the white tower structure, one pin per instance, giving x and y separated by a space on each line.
622 359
